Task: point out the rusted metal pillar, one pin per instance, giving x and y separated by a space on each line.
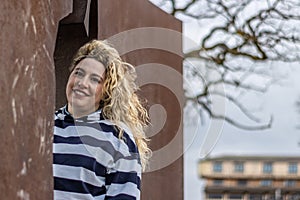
27 40
151 40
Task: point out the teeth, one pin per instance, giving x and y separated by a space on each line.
79 92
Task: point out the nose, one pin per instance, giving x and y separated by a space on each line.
83 82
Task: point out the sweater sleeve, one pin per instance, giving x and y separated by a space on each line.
124 179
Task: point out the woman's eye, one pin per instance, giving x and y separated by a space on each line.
96 80
78 73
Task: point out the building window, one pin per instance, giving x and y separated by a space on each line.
267 169
293 168
217 167
239 167
290 183
215 196
255 197
266 183
218 182
235 196
242 182
293 197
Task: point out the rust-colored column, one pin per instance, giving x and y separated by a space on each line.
27 40
151 40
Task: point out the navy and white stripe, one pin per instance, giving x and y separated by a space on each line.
91 162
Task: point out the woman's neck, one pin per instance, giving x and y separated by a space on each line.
78 113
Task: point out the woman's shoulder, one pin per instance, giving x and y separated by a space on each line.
116 126
110 130
126 134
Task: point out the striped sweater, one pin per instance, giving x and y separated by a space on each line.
91 162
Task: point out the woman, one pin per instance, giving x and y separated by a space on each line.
99 145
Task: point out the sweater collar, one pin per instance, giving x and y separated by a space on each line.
95 116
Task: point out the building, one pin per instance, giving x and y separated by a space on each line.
251 178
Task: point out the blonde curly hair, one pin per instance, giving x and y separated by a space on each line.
120 102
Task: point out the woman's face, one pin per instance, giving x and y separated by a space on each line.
84 87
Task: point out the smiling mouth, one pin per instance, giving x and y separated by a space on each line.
79 92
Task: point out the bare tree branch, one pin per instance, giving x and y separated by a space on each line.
235 122
242 35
